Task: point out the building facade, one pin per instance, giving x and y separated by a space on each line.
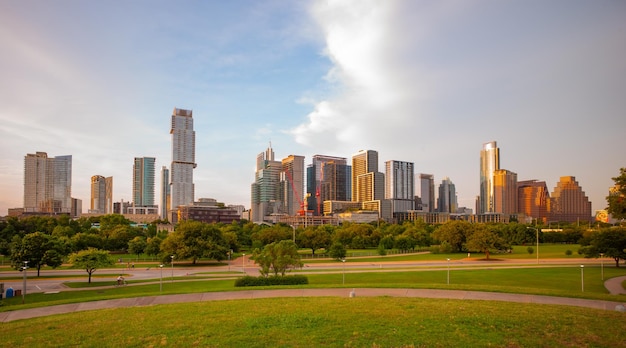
568 202
143 181
489 163
166 197
47 184
265 191
183 158
400 185
315 178
447 202
367 183
427 192
533 199
101 195
505 192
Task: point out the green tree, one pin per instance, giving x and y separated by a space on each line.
278 258
610 242
314 237
90 260
38 249
617 199
484 239
194 240
137 245
337 251
454 233
153 246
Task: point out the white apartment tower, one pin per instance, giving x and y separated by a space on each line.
183 158
47 183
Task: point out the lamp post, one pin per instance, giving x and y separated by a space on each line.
537 232
448 271
602 265
24 282
343 276
243 263
172 256
582 277
161 284
294 232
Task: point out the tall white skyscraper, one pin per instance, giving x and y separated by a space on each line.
489 163
47 183
183 158
265 193
400 185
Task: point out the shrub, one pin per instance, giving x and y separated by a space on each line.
273 280
530 250
568 252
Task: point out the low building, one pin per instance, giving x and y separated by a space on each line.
206 210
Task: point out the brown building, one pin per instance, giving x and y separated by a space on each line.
568 202
533 199
505 192
207 210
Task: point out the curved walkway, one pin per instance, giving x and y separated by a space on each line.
342 292
614 285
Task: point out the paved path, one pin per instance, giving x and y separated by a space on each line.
614 285
343 292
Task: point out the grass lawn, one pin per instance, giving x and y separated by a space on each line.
327 322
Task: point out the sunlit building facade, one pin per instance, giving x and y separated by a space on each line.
101 195
568 202
183 158
292 185
489 163
47 184
505 192
533 199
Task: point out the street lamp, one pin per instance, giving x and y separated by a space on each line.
448 271
161 285
172 256
582 277
343 277
243 263
24 285
602 265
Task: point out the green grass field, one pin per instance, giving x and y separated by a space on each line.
325 322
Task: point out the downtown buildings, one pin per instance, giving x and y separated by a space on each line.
48 185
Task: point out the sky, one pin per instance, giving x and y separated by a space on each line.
424 81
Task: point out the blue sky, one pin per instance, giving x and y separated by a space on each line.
421 81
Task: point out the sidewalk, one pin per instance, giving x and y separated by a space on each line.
341 292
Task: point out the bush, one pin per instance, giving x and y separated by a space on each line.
273 280
568 252
530 250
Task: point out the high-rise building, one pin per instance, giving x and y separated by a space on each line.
101 195
505 192
533 199
447 202
315 178
336 181
367 183
47 184
400 185
265 193
427 192
165 193
183 158
489 163
143 181
292 185
568 202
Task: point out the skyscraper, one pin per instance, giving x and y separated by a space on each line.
489 163
568 202
400 185
315 177
292 185
101 195
367 183
143 181
165 193
446 202
183 158
427 192
47 184
265 194
533 198
505 192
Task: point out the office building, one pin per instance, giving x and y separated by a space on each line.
47 184
292 185
505 192
315 177
101 195
400 185
165 205
447 202
183 158
533 199
143 187
367 183
489 163
265 193
427 192
568 202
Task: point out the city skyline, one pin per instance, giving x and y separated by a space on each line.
315 77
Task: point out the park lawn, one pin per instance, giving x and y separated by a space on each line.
562 281
327 322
